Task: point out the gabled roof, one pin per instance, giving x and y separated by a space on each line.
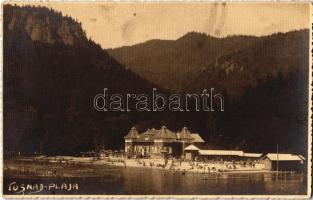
221 152
146 136
132 134
197 137
191 148
253 155
164 133
153 131
283 157
184 134
147 132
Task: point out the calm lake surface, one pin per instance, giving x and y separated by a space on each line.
107 179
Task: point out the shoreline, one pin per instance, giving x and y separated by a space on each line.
44 167
198 171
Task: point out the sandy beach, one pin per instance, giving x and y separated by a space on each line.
189 167
69 166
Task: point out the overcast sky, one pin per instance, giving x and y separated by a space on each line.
115 25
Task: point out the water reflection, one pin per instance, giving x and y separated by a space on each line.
118 180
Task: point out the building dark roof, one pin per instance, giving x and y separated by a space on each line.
153 131
146 136
184 134
147 132
132 134
283 157
197 137
191 148
164 133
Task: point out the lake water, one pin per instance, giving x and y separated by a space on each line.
106 179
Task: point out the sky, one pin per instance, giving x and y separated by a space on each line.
120 24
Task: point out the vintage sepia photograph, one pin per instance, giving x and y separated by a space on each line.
157 99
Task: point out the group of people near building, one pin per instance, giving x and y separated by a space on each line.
184 146
200 166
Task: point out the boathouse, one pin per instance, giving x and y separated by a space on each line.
283 162
198 141
159 143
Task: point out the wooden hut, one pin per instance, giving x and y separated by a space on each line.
283 162
191 152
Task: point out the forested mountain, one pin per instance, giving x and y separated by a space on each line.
264 80
267 58
196 60
52 73
171 64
